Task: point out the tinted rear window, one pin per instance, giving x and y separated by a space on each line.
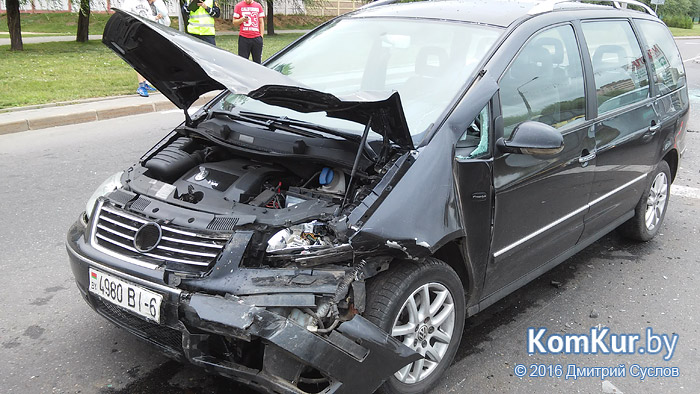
620 74
663 53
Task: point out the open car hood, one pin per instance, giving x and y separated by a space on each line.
183 68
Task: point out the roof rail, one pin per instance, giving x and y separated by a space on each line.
377 3
548 5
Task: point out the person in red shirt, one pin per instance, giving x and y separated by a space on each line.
249 15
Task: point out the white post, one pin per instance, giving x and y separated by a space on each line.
181 19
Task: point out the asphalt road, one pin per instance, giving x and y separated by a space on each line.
51 342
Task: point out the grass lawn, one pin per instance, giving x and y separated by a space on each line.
63 71
678 32
58 22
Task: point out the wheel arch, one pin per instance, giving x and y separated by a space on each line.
452 254
672 159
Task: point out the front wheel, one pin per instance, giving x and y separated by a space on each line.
650 211
422 305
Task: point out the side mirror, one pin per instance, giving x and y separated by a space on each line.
532 138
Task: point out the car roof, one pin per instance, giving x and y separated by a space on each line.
497 13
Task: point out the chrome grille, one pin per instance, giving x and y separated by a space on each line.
114 231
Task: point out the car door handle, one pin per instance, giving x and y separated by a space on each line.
587 158
654 127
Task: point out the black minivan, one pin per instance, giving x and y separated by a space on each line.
329 220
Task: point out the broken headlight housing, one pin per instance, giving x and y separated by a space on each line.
300 238
111 183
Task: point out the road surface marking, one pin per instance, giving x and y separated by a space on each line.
692 58
685 191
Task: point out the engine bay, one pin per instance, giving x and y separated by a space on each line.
295 193
204 175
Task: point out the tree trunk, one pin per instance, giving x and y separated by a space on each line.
13 25
83 21
270 18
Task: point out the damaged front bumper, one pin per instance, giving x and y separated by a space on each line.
231 337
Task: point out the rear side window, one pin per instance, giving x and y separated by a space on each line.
663 53
545 82
620 74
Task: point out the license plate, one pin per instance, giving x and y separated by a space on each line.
127 295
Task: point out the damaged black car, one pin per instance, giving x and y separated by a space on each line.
330 219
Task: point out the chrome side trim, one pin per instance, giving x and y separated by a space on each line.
120 274
604 196
540 231
567 217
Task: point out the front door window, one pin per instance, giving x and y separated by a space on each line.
545 82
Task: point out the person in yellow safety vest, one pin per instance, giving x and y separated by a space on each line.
201 19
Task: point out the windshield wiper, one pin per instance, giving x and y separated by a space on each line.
269 124
283 120
294 126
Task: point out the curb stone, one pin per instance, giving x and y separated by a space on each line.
22 119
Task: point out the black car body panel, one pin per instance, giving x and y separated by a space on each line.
192 67
183 68
270 228
189 322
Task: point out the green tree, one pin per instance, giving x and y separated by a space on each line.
672 7
694 9
677 7
14 26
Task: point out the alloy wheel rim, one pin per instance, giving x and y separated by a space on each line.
656 202
425 324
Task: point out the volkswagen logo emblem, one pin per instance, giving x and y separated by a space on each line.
422 332
147 237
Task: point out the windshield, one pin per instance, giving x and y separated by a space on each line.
427 61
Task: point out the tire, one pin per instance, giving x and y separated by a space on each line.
651 209
389 307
